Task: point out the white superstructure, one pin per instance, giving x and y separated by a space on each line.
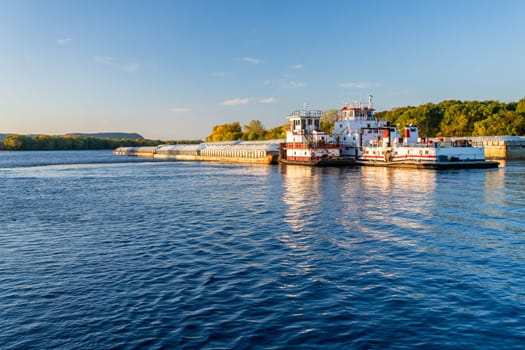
356 126
305 142
392 149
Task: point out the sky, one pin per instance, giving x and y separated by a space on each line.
172 70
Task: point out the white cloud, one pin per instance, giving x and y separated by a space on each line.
293 84
297 66
112 62
235 102
252 60
180 110
358 85
268 100
63 41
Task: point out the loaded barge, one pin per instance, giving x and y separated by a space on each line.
250 152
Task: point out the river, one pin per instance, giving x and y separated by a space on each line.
99 251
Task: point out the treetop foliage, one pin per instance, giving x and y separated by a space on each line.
254 130
461 118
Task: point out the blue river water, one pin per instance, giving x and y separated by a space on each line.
99 251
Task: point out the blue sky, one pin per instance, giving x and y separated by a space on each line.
174 69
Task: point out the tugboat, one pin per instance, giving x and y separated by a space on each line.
306 144
372 141
409 152
356 126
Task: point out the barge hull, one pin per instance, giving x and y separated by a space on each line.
435 166
319 162
262 160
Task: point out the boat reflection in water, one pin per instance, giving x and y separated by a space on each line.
383 203
302 195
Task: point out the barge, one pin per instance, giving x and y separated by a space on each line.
249 152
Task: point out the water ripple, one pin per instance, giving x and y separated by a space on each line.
193 255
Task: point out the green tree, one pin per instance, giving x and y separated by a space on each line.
19 142
455 122
501 123
44 142
225 132
279 132
254 131
520 107
429 118
13 143
328 119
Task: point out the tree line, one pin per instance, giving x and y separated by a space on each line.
461 118
253 131
17 142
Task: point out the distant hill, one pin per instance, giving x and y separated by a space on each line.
3 136
109 135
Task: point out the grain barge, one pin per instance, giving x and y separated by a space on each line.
249 152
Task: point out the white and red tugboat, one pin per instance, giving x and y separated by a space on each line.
356 126
306 144
372 141
390 149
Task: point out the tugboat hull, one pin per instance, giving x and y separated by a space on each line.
320 162
437 165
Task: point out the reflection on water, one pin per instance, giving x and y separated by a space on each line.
358 199
391 200
398 181
502 194
493 186
301 194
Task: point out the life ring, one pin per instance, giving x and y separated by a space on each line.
420 152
